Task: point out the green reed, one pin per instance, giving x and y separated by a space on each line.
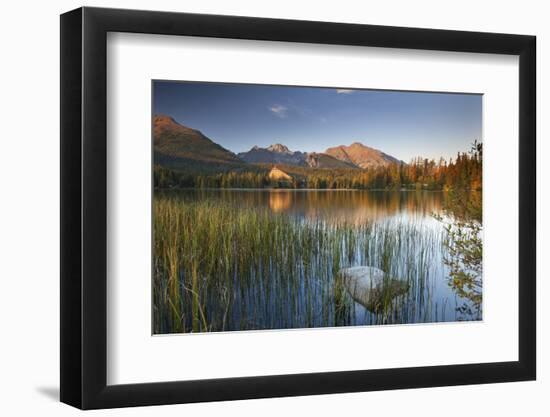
219 266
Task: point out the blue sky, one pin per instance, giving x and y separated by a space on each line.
402 124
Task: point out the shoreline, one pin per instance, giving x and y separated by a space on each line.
303 189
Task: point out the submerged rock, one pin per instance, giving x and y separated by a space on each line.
370 287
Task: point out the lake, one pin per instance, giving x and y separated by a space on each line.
228 259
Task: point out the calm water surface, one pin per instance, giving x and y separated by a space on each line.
417 253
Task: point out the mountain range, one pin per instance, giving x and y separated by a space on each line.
280 154
179 147
176 146
362 156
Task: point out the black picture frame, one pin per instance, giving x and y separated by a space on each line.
84 207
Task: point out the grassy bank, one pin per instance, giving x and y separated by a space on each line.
220 267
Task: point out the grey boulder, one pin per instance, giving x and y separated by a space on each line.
370 287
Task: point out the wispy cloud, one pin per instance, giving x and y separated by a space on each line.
343 91
279 110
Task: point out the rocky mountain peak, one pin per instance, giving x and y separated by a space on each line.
277 147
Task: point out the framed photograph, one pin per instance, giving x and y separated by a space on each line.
256 208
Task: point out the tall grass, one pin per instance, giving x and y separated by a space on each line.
219 266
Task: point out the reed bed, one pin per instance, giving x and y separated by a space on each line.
219 266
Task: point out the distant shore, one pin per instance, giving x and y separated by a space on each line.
301 189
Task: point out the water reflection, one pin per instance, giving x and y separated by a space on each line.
280 202
405 240
334 206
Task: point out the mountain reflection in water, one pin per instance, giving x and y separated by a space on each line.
289 286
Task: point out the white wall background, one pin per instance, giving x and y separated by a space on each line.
29 209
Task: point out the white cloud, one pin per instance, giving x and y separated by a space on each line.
279 111
343 91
